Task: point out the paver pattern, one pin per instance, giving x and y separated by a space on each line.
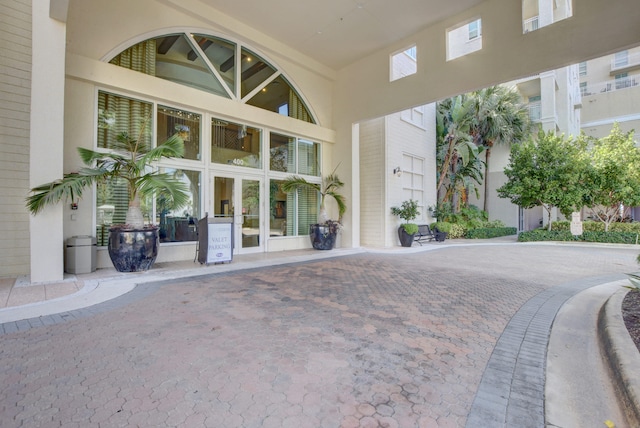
364 340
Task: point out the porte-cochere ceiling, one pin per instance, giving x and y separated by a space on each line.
218 66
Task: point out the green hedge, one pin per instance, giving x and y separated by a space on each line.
490 232
598 226
587 236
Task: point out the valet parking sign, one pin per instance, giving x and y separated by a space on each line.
220 244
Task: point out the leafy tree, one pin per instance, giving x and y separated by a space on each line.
499 116
549 172
615 175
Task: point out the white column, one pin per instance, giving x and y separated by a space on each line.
354 203
46 139
548 112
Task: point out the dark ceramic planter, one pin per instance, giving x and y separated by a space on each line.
406 240
133 250
322 238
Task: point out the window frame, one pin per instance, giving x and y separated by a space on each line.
173 163
293 221
412 175
403 63
474 33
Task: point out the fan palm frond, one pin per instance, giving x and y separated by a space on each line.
128 159
69 188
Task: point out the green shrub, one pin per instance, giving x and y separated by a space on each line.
587 236
442 226
611 237
490 232
442 211
457 231
625 227
590 226
410 228
598 226
453 230
545 235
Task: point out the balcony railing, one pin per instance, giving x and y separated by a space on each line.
611 85
530 24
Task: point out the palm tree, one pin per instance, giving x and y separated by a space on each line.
457 155
129 160
329 187
498 117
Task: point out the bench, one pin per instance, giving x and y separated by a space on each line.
425 234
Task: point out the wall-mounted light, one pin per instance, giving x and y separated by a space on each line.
397 171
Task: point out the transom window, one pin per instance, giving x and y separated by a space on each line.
294 155
217 66
464 39
235 144
404 63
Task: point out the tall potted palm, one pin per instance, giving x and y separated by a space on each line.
133 246
323 234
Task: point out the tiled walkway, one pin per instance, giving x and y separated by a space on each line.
371 339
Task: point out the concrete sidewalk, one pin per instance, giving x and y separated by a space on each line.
16 292
23 300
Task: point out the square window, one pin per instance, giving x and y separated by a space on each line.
185 124
583 68
475 29
404 63
464 39
235 144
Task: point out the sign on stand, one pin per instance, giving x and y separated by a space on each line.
576 224
215 240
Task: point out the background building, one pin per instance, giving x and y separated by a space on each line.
610 87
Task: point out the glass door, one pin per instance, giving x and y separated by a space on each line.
239 198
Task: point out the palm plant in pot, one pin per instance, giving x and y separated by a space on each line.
407 211
323 234
133 246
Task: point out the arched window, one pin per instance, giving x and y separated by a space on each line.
218 66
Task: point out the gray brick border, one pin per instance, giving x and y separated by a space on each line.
511 392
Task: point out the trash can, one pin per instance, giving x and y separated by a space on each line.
80 254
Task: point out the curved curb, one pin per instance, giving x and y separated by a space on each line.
622 356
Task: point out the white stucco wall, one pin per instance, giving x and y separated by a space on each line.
15 105
384 144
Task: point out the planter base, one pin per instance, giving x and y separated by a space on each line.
321 237
133 250
406 240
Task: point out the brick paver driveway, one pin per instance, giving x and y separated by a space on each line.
397 340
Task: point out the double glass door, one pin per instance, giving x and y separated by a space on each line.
239 198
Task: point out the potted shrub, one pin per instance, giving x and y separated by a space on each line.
133 246
407 211
323 234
